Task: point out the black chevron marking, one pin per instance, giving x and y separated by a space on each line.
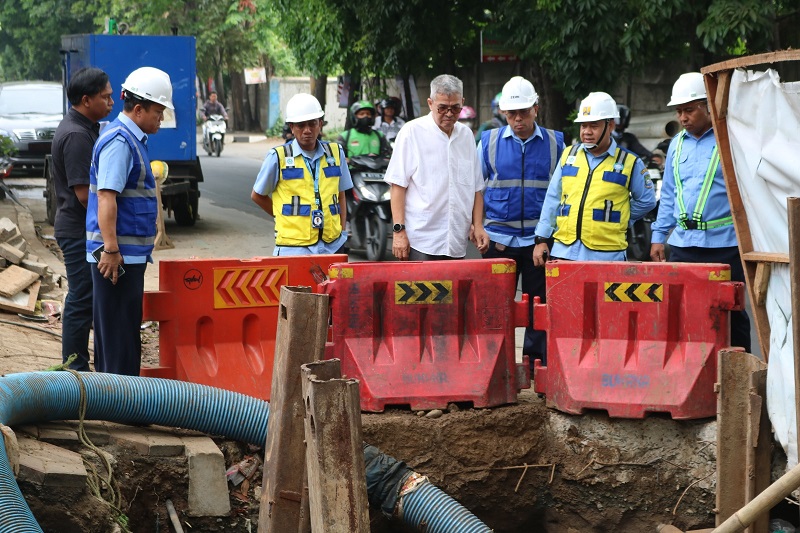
651 292
610 292
443 292
407 290
630 294
425 291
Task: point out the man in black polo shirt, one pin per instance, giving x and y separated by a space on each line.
89 94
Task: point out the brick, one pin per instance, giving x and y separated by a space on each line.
49 466
208 486
19 243
8 229
152 440
10 253
96 430
59 436
39 268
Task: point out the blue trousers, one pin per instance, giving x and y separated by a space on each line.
76 319
533 284
117 321
740 322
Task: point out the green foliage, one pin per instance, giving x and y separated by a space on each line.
7 146
277 129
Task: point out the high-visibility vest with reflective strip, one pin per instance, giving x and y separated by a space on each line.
696 221
137 206
595 204
294 198
518 178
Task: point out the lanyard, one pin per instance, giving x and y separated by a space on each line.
312 166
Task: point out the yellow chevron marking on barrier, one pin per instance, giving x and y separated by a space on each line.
504 268
237 288
719 275
633 292
551 272
423 292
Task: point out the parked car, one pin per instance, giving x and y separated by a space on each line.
29 114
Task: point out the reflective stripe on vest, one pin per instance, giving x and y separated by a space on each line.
697 222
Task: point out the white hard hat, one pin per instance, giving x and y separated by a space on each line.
518 93
302 107
597 106
151 84
688 88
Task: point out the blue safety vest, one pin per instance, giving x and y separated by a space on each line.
137 205
518 179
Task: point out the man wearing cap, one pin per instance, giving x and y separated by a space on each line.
517 161
437 205
121 220
694 199
597 190
302 184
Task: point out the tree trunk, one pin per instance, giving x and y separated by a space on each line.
553 107
319 86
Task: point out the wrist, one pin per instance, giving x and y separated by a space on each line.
111 252
540 240
397 228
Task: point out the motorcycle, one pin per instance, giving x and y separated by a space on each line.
214 134
640 233
369 213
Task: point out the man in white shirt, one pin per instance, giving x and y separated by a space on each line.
437 205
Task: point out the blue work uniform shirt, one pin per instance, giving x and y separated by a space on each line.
643 200
267 180
695 157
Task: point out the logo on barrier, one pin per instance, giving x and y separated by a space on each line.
423 292
634 292
193 279
248 287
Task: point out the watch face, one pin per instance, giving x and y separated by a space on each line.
398 228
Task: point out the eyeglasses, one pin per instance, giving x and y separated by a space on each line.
444 109
521 113
688 110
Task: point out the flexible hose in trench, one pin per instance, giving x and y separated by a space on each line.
43 396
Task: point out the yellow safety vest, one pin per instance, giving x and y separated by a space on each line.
295 198
595 204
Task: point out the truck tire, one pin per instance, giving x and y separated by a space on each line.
184 208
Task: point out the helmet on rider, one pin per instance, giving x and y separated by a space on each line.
688 88
363 123
148 83
392 102
624 117
467 113
518 93
496 104
302 107
597 106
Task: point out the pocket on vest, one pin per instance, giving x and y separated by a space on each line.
615 177
495 201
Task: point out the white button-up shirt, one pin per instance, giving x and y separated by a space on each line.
441 175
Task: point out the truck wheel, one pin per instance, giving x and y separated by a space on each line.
217 147
184 208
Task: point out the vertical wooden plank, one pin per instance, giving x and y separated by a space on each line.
737 463
334 450
793 207
718 89
759 431
301 335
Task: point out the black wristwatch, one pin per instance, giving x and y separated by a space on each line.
539 240
397 228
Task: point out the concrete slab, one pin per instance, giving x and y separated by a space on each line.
152 440
208 485
49 466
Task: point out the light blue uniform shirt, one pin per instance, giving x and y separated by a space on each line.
695 157
113 168
267 180
510 240
643 200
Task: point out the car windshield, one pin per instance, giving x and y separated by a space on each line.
21 100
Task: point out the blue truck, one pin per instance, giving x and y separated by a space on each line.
176 141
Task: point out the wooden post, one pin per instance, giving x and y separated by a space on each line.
302 332
793 208
334 450
743 434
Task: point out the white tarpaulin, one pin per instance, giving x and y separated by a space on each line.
764 128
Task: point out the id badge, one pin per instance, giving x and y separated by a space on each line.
316 218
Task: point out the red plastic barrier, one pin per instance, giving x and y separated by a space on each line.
425 334
218 317
632 338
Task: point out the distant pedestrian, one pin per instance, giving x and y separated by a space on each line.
121 220
694 200
436 181
89 94
302 184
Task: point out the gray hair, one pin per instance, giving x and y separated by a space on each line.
446 85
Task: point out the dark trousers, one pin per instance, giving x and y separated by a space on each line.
416 255
533 284
117 321
740 322
76 319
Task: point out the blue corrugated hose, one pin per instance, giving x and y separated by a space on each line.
42 396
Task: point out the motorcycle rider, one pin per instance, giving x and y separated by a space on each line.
467 117
213 107
361 139
389 122
498 119
626 139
